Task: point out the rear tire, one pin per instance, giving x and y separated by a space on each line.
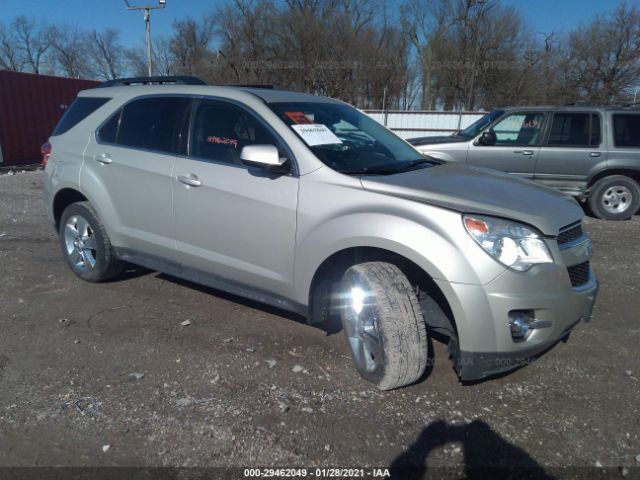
383 324
85 244
614 198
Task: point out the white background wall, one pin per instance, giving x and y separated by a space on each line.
410 124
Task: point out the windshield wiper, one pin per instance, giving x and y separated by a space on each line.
369 171
414 164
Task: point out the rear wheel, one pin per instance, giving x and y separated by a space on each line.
614 198
384 325
85 245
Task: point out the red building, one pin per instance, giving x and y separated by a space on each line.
30 107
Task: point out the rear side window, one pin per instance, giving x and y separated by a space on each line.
574 130
80 109
149 123
626 130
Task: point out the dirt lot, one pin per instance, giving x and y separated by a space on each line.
104 375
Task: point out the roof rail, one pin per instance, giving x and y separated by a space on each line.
176 80
251 85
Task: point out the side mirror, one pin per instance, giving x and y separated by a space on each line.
488 138
265 157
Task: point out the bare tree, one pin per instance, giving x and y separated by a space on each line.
70 50
9 55
33 41
107 54
189 45
603 57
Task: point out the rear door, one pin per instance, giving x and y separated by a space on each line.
232 221
572 147
517 146
128 164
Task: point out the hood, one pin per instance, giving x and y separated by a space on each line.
435 140
470 189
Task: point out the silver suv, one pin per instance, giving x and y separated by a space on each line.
304 203
591 153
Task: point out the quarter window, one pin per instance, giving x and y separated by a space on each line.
574 130
220 130
149 123
109 131
519 129
80 109
626 130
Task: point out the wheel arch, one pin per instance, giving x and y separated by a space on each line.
626 172
62 199
429 294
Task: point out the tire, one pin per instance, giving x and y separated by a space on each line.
614 198
85 245
385 331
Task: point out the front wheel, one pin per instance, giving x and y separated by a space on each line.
614 198
384 325
85 245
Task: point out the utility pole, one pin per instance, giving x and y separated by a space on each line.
147 22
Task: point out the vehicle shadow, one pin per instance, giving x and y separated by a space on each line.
486 455
234 298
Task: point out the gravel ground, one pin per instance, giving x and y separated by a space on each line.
114 375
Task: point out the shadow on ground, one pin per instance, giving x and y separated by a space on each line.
486 455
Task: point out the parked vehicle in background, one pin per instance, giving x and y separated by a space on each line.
307 204
591 153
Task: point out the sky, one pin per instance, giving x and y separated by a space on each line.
543 15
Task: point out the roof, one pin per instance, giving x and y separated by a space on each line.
571 108
266 95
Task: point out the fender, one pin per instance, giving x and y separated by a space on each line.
432 249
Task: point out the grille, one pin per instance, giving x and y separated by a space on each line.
579 274
569 234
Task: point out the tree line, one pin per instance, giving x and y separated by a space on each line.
407 54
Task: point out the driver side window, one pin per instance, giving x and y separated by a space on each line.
519 129
220 131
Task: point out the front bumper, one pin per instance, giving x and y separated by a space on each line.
484 345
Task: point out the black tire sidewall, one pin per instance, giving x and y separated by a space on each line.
103 258
602 186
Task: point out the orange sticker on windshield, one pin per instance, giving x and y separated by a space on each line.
299 118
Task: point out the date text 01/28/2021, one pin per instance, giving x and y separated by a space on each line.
317 472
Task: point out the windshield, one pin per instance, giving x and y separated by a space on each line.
475 128
347 140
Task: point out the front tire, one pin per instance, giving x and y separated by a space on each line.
614 198
383 324
85 245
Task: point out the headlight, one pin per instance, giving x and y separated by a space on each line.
512 244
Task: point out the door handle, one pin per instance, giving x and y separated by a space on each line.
191 180
103 158
595 154
524 152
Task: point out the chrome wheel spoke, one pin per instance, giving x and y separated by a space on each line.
89 259
363 337
89 242
616 199
80 243
70 235
76 258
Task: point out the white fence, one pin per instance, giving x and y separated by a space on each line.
410 124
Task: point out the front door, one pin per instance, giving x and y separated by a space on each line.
235 222
517 145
